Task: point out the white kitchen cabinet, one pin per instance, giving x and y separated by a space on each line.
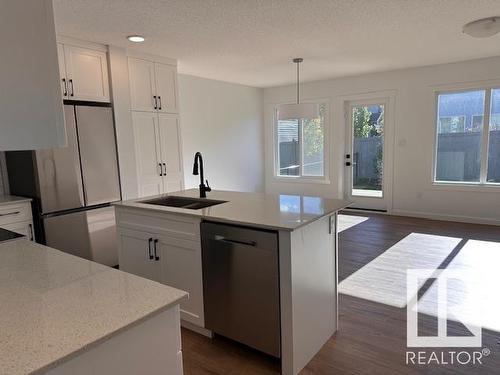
31 109
176 254
158 152
166 87
16 216
148 153
170 142
181 269
142 85
153 86
136 254
84 73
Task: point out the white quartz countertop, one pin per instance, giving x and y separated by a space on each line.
54 305
271 211
9 199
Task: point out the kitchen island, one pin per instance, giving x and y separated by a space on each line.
60 314
164 243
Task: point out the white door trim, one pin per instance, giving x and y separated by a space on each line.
388 98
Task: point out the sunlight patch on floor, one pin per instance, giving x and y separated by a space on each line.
474 299
349 221
383 280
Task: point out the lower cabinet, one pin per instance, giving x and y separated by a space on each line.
16 217
168 255
136 254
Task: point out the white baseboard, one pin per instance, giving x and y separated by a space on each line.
197 329
436 216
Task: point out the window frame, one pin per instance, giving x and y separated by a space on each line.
482 184
325 179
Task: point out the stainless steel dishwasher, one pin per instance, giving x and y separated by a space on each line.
241 285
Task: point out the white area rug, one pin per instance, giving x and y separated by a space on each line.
349 221
383 280
474 298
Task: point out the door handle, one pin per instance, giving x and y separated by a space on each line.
149 249
159 101
156 101
224 239
72 88
157 257
65 93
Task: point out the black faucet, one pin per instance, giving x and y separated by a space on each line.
203 188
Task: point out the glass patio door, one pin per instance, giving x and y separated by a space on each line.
365 158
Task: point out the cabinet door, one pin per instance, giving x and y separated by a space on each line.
62 70
147 153
166 88
170 145
135 252
181 268
87 74
24 228
142 85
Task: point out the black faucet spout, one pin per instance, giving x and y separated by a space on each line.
198 170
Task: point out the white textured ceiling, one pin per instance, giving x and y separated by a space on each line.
252 41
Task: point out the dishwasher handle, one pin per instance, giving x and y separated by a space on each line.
218 237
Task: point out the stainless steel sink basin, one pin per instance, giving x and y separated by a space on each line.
183 202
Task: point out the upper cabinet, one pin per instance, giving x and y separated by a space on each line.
153 86
83 73
31 109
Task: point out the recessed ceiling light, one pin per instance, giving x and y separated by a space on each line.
136 38
483 28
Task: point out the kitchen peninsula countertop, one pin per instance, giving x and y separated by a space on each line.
55 306
270 211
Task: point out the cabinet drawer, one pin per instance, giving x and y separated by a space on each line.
14 213
24 228
161 223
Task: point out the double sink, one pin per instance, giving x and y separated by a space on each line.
183 202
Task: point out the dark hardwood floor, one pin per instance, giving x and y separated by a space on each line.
372 337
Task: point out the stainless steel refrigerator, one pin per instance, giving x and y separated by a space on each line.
73 187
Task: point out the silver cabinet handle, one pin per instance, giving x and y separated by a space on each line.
161 169
157 257
156 101
149 249
164 169
11 213
72 88
65 93
159 101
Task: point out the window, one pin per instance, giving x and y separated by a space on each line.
468 137
301 146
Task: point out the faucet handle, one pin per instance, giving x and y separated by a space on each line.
208 188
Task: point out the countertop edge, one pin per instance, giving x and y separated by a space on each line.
201 216
105 338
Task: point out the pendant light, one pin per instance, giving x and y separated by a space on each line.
298 110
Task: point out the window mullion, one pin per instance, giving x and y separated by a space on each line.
485 137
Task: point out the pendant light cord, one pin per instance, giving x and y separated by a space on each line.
297 61
298 83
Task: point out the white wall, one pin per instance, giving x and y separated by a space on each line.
224 122
414 91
